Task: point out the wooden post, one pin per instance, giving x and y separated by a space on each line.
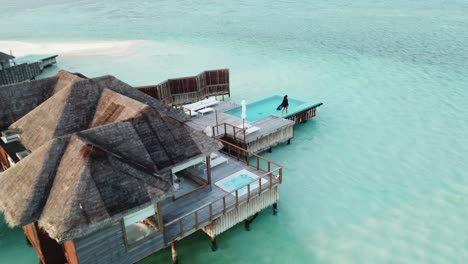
275 208
208 169
214 247
247 158
237 197
174 253
211 212
181 227
258 163
248 192
271 179
224 204
259 185
280 175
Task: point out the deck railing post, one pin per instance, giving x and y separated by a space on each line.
211 212
181 227
247 157
224 204
259 185
258 163
270 175
281 175
238 153
248 192
237 197
269 166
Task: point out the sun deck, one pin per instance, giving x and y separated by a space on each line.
272 130
201 208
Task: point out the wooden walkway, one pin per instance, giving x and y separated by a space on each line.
175 212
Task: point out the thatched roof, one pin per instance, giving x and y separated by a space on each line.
16 100
99 152
5 57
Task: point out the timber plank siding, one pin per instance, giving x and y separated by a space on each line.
190 89
19 73
108 246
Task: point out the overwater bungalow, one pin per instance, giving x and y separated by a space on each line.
96 171
260 129
13 70
6 60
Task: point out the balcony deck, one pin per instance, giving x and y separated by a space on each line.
194 211
272 130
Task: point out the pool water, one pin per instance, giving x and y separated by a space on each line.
265 107
239 181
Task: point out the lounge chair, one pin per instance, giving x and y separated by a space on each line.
202 104
249 129
218 161
205 110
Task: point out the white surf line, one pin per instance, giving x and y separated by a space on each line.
19 48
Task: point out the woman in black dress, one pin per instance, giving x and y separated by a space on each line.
284 105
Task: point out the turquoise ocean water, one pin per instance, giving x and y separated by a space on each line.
379 176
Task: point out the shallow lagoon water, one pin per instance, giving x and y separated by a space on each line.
379 176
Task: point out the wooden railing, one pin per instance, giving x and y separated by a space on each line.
237 133
272 171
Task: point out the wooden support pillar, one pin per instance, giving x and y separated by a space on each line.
247 222
214 246
270 150
275 208
289 141
174 253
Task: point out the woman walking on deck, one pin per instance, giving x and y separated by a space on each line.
284 105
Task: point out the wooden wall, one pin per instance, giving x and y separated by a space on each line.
190 89
108 246
19 73
47 249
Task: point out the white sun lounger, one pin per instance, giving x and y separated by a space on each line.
217 161
249 129
205 110
252 129
202 104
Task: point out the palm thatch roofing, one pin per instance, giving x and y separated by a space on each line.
5 57
99 151
16 100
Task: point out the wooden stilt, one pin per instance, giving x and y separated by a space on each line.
214 247
174 253
247 222
270 150
289 141
275 208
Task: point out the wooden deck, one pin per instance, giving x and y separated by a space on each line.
192 212
272 130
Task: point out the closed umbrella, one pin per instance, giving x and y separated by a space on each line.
244 113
